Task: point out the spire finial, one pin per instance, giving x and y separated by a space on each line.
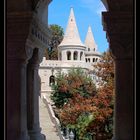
89 41
71 36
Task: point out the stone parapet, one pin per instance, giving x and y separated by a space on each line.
65 64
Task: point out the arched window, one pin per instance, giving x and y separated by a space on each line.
88 59
68 55
81 55
51 80
93 59
94 49
75 55
60 56
88 49
96 59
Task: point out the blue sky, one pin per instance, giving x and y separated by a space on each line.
87 12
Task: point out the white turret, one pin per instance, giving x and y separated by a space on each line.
89 41
71 48
91 54
72 53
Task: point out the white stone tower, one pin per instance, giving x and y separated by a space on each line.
72 53
91 54
71 47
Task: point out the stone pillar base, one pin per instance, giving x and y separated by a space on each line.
36 136
113 138
24 137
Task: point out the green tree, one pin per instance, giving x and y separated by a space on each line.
104 99
57 34
100 106
105 69
82 107
75 82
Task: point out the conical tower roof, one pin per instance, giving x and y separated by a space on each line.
89 41
71 36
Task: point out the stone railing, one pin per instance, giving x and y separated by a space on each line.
52 116
69 135
64 64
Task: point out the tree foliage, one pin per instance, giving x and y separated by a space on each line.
84 108
104 100
75 82
57 34
105 69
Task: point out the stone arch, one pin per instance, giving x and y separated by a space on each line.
41 10
51 80
75 55
68 55
117 18
81 55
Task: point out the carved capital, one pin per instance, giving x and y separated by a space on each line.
118 23
41 54
37 57
29 48
24 53
119 30
121 50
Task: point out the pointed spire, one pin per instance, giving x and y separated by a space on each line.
89 41
71 36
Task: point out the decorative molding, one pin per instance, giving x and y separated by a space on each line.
117 22
36 56
39 4
118 5
39 34
121 51
41 54
119 28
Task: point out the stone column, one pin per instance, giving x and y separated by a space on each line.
119 27
83 56
78 55
17 56
64 55
72 55
33 92
24 132
16 103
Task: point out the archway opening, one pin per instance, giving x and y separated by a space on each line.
68 55
81 55
52 80
75 55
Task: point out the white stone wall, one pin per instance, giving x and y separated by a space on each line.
52 67
49 67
